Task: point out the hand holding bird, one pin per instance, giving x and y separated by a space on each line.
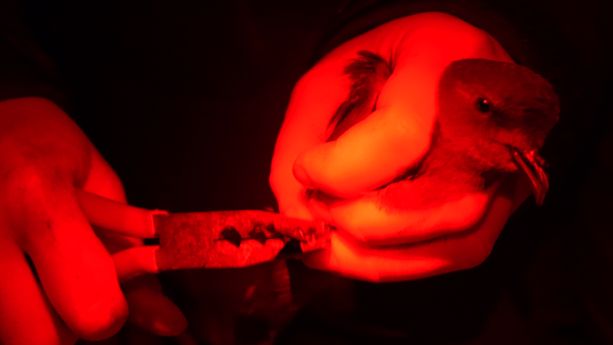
416 160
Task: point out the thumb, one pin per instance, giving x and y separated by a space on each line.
383 145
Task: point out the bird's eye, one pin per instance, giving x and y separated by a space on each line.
484 105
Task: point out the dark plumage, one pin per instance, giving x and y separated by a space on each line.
492 117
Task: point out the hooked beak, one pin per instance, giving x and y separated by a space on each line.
532 165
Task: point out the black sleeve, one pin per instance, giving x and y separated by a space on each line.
25 69
360 16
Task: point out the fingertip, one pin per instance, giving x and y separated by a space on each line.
85 292
314 169
102 320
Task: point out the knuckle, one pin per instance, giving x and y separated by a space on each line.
274 180
30 194
25 202
29 183
282 181
273 176
23 181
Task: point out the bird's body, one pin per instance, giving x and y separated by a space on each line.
491 118
443 175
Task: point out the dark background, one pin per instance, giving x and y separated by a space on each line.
185 98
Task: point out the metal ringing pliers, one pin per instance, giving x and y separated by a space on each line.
217 239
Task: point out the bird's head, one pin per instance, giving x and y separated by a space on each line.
498 113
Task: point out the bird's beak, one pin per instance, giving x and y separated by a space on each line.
532 164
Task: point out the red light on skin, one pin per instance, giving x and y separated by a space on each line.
357 260
380 148
413 260
367 221
74 291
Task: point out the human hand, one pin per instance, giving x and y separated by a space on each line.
349 170
60 282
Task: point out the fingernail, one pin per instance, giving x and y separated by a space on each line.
153 214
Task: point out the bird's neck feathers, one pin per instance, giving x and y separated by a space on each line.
455 159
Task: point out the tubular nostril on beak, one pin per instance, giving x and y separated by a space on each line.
532 165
